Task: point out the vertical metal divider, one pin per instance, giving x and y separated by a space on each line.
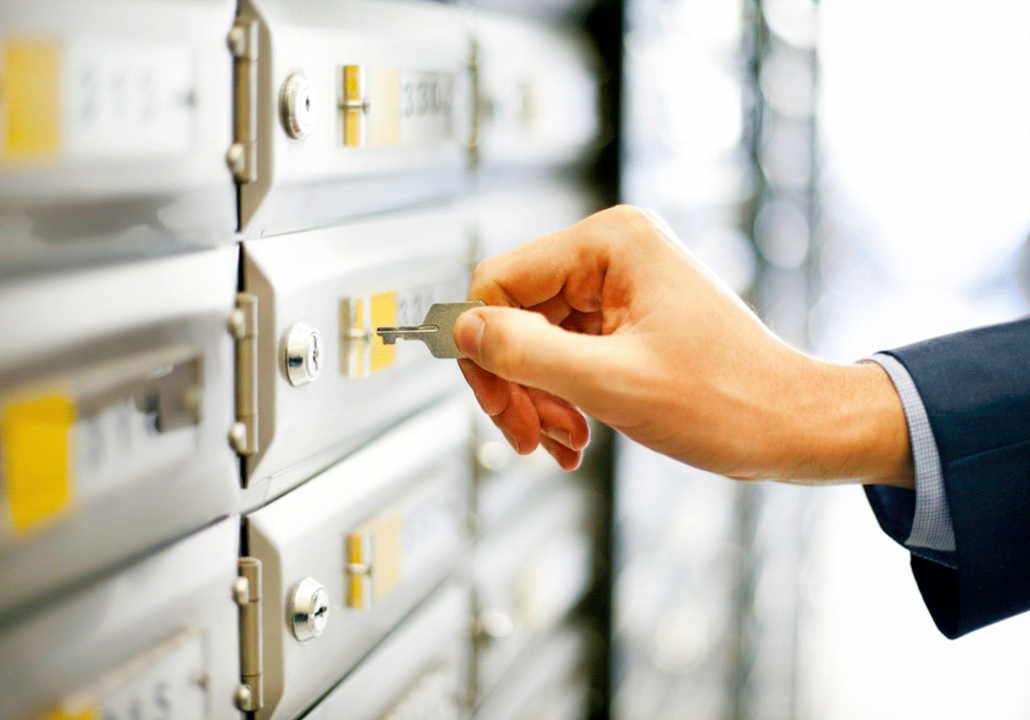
606 25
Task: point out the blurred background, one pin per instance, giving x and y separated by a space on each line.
221 495
859 171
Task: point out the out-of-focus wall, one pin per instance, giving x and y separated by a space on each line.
925 148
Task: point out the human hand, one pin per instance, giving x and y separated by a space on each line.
626 325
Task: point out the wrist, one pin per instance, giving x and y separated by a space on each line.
847 424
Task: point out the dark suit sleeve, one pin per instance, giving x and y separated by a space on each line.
975 386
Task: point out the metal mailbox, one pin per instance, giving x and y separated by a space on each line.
115 410
504 480
346 555
503 222
551 683
420 672
345 108
157 640
322 381
528 576
537 97
115 121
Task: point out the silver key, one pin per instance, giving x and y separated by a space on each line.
436 331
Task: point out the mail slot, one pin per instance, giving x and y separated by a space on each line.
114 425
528 576
348 108
317 298
538 95
356 548
157 640
420 670
114 126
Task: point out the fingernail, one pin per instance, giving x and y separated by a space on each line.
468 334
560 435
512 441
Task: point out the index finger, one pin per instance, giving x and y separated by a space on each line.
572 262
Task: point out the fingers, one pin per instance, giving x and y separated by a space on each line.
566 458
550 416
492 392
560 421
519 421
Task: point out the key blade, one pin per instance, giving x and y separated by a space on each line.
443 316
415 332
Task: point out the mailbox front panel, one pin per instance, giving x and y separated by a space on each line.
342 283
376 532
115 121
550 683
361 106
420 671
538 95
116 392
157 640
528 575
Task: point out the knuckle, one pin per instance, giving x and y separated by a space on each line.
481 273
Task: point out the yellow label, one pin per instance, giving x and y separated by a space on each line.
356 581
36 446
30 72
386 567
89 713
383 313
371 106
352 111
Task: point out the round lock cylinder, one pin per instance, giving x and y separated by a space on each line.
303 354
296 106
309 609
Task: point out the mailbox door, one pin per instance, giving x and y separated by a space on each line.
157 640
377 532
115 409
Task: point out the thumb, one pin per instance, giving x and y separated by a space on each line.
523 347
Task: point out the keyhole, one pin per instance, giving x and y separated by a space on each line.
315 352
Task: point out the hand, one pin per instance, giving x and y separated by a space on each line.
626 325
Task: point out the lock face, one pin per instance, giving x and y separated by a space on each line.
303 354
378 531
309 609
113 424
174 655
296 106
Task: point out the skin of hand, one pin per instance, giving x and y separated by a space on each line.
615 318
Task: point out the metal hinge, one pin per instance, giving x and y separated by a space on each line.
242 156
243 324
247 594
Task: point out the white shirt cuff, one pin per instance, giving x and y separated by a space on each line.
931 524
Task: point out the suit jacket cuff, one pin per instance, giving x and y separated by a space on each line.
975 388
